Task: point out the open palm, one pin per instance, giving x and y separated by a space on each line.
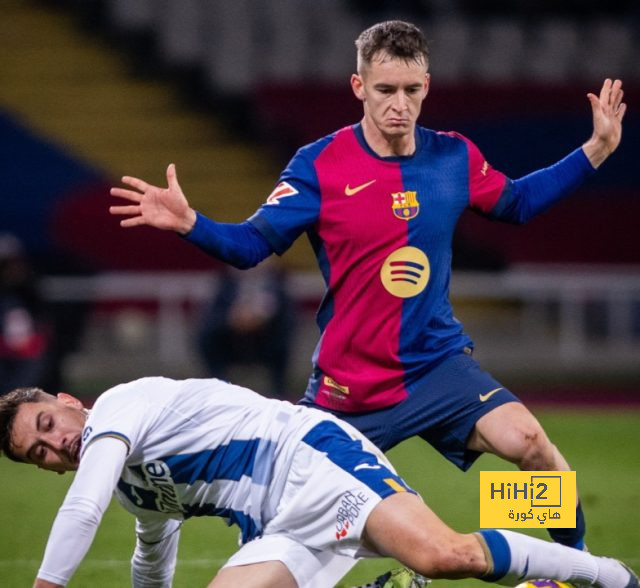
162 208
608 111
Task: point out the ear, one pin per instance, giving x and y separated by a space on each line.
427 84
357 85
69 400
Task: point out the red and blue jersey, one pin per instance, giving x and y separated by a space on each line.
381 229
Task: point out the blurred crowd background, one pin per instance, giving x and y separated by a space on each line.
91 90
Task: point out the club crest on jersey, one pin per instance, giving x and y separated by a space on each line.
405 205
282 190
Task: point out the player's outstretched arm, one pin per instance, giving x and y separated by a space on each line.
608 110
162 208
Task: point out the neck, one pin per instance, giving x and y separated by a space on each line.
388 145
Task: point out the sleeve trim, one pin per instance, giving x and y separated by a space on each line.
113 435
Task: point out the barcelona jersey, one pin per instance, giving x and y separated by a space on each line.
382 230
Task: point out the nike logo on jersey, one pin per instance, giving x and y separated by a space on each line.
485 397
366 466
351 191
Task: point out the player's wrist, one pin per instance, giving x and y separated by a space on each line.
597 151
187 224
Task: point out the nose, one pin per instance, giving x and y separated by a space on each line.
56 441
399 101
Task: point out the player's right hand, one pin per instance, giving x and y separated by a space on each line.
162 208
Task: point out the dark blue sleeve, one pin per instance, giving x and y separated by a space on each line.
532 194
240 245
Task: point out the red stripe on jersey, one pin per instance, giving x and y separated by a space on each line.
282 190
359 230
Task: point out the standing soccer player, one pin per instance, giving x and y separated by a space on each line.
310 494
379 201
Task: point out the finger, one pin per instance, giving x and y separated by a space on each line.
605 91
130 210
135 182
616 98
621 110
135 221
127 194
594 101
172 176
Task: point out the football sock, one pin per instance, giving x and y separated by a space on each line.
571 537
518 557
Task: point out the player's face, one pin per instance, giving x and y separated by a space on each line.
48 433
392 90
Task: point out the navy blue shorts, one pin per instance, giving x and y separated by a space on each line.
442 408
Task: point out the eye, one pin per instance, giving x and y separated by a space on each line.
47 423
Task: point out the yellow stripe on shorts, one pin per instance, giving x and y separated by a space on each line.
397 487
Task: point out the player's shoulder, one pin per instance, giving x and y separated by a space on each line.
130 391
441 136
313 150
445 140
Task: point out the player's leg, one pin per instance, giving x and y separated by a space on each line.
513 433
280 559
403 527
259 575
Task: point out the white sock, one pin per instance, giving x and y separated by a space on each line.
611 573
530 558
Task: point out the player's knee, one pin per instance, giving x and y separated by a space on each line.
532 449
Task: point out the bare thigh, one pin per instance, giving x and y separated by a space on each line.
268 574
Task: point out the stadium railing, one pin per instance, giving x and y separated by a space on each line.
547 318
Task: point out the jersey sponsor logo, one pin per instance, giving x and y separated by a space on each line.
485 397
405 205
158 477
351 191
405 272
282 190
349 510
485 168
331 383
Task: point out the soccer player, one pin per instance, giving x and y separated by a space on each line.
309 493
379 201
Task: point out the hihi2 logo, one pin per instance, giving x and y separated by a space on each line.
528 499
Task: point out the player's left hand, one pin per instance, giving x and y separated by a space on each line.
608 110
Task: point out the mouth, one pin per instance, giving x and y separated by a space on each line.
74 451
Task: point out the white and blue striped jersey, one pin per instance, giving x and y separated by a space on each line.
200 447
171 450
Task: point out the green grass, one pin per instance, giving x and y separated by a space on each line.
603 446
